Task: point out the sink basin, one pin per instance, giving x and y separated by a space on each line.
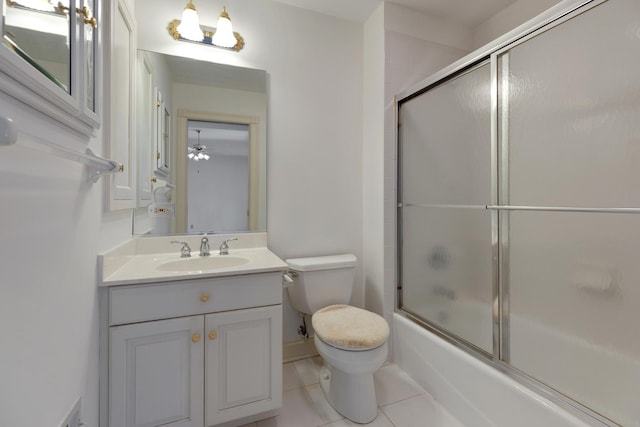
198 264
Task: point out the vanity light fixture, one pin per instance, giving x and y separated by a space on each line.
190 30
198 152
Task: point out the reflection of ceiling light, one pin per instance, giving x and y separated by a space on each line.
223 36
198 152
189 27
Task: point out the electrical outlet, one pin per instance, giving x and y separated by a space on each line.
73 418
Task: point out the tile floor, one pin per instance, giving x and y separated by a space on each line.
401 402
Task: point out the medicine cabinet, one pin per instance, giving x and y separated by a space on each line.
49 59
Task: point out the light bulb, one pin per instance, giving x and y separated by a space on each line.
223 36
189 27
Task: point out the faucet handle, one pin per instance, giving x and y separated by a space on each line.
204 246
224 247
185 251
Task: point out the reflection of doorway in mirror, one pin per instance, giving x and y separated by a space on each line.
218 188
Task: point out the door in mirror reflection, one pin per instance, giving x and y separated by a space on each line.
218 169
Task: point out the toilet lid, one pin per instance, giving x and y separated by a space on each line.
350 328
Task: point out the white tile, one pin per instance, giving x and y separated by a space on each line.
297 411
419 411
269 422
393 385
380 421
290 378
309 369
324 408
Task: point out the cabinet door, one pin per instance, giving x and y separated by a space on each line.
163 134
156 374
88 56
121 130
243 363
144 127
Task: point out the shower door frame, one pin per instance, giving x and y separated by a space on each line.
497 54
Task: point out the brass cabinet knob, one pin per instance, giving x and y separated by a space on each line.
195 338
154 179
213 335
120 167
204 297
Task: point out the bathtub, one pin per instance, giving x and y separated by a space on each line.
479 395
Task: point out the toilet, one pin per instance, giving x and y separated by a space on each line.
351 341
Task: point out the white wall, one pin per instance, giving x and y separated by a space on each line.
418 45
509 18
373 163
314 66
50 229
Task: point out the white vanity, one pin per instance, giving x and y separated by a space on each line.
190 342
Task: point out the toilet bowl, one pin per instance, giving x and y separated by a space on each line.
353 344
351 341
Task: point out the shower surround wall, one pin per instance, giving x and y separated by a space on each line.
563 206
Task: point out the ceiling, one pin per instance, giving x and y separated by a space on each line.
467 12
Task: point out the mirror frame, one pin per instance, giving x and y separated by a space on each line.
253 114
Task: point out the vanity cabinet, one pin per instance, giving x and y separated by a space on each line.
195 353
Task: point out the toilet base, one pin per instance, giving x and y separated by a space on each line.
353 396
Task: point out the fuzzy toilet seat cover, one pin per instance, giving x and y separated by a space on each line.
350 328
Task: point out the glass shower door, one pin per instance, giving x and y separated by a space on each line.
445 185
570 111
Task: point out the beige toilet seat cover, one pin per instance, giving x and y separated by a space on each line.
348 327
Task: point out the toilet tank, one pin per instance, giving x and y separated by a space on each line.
321 281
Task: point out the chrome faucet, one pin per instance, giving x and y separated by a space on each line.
185 250
204 246
224 248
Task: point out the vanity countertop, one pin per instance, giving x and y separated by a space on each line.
137 263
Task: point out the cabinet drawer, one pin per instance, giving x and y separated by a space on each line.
139 303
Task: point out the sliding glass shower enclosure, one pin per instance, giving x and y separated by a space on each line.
519 206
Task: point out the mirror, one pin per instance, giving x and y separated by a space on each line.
186 110
39 33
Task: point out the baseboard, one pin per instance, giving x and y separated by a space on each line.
296 350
